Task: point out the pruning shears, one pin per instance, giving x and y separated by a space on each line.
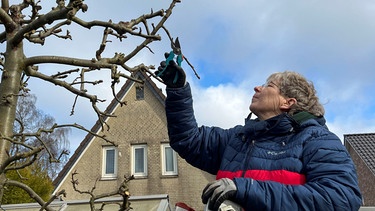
176 51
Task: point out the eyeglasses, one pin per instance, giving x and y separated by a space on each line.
270 84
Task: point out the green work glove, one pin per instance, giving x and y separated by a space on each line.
172 75
216 192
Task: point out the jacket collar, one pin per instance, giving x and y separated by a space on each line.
255 128
302 118
278 125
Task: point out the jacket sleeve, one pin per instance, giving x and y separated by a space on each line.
202 146
331 182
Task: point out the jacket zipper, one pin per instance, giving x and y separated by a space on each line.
247 157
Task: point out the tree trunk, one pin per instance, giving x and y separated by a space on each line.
9 89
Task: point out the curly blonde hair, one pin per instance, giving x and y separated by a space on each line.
294 85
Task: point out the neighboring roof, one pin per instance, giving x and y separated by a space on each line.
110 109
364 145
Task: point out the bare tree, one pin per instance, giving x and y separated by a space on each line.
29 119
23 23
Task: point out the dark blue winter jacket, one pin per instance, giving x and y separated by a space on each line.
277 164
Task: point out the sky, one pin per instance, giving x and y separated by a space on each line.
234 46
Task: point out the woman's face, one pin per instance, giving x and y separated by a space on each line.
267 101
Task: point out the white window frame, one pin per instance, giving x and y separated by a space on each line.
105 175
165 172
133 170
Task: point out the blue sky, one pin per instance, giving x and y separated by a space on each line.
234 46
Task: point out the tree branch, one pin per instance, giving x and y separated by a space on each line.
50 17
122 27
39 37
156 29
19 156
91 64
34 29
53 197
5 18
103 137
123 191
31 193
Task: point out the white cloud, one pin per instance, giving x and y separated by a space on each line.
224 106
330 42
351 124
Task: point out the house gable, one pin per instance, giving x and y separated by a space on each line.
97 127
141 122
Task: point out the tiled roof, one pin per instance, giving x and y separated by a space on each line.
364 145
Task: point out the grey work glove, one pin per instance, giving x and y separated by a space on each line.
172 75
217 192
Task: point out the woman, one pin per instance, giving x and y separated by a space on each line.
286 159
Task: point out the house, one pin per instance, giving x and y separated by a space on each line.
140 133
361 147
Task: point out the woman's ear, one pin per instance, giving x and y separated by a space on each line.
288 103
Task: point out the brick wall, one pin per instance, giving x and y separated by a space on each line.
366 178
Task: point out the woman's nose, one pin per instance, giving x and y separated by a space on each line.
258 88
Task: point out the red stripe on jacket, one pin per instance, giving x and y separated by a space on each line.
281 176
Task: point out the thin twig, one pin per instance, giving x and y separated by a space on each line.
183 56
